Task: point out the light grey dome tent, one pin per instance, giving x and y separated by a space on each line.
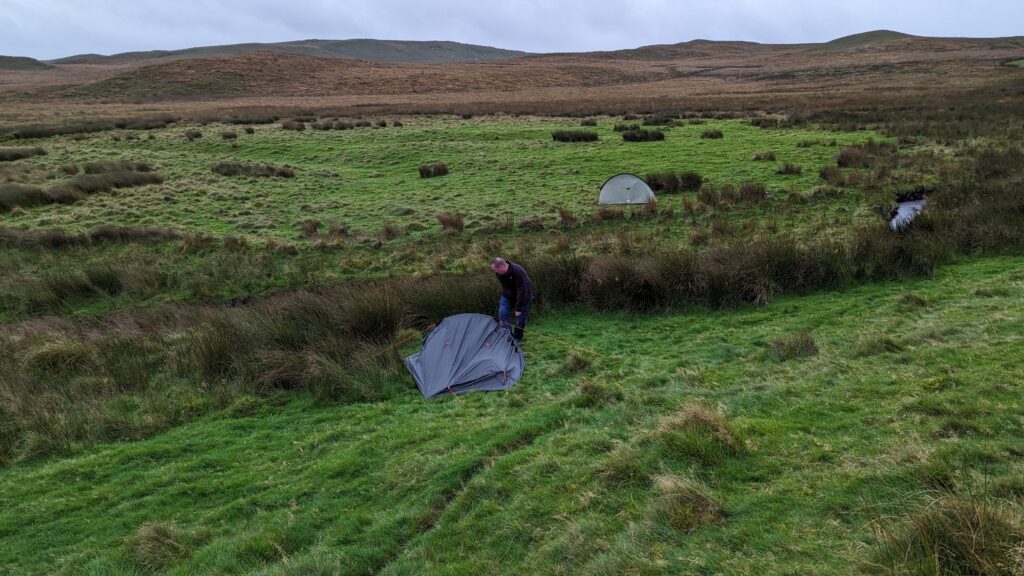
466 352
625 189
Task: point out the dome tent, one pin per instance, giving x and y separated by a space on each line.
625 189
466 352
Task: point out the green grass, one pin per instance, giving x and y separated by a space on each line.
1018 63
499 167
901 399
503 171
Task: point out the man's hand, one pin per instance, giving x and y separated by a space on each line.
518 313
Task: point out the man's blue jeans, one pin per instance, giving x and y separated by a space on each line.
508 317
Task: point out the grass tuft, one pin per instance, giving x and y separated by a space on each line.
10 154
793 346
159 546
432 170
591 394
574 136
451 222
789 169
684 503
953 535
643 136
253 170
698 433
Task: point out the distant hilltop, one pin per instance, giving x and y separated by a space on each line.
441 51
357 68
22 63
397 51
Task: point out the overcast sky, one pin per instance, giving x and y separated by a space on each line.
48 29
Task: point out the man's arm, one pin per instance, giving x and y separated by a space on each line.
521 293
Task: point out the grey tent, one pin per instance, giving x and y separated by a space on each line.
466 352
625 189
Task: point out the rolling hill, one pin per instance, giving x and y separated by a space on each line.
407 51
694 75
863 39
22 63
876 58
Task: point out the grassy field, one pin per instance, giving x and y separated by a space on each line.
357 207
908 396
200 376
500 167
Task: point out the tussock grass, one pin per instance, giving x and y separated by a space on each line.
14 196
566 218
22 196
106 181
99 125
671 182
607 213
592 394
116 166
433 170
690 181
789 169
574 136
951 535
696 432
793 346
11 154
832 176
684 503
55 238
712 135
249 120
451 222
766 122
159 546
873 344
664 119
643 135
911 300
752 192
663 182
253 170
625 465
576 361
388 232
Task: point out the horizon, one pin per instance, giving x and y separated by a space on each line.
363 39
61 28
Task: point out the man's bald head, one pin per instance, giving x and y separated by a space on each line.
499 266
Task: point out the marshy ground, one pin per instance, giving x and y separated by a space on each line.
201 374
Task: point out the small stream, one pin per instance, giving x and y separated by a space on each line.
906 212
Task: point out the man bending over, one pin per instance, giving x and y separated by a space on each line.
516 295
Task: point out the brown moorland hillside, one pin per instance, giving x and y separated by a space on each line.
873 68
409 51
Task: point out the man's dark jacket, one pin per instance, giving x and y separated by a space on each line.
516 287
